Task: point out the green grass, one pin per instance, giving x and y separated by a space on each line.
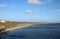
13 24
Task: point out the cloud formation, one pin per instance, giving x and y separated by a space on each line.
31 11
41 17
28 11
57 11
35 2
48 0
4 12
38 2
2 5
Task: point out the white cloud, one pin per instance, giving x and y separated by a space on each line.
4 12
35 2
48 0
31 11
41 17
57 11
35 10
2 5
39 2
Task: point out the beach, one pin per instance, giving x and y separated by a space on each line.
17 27
37 31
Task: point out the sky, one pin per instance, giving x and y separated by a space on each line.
30 10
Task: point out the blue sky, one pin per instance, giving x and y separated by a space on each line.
30 10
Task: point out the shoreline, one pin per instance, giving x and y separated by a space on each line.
11 29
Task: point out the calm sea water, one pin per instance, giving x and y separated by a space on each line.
38 31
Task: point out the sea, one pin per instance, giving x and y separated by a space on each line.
35 31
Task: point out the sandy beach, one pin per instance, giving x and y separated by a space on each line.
10 29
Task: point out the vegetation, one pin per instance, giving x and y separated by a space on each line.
13 24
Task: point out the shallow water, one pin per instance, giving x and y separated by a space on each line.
38 31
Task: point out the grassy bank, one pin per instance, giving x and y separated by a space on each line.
13 24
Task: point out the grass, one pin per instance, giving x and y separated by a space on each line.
13 24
